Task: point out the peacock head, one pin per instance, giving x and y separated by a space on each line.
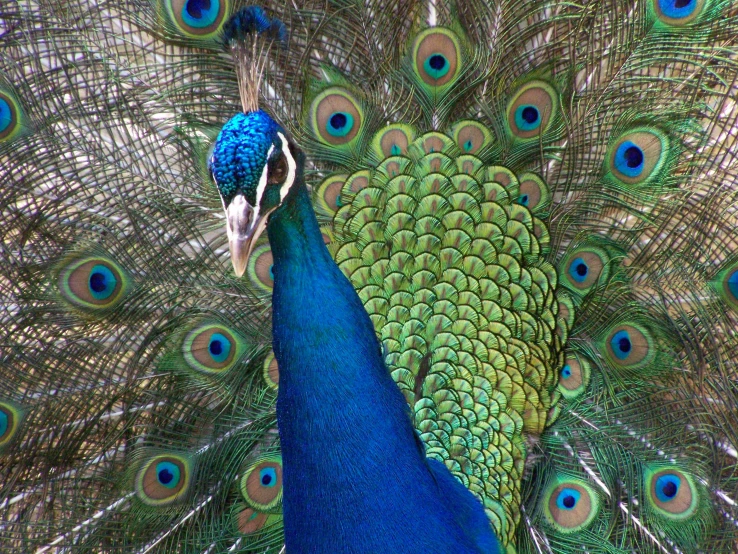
254 166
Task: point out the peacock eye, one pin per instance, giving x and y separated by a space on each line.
277 171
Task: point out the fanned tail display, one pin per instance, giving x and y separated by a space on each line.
535 202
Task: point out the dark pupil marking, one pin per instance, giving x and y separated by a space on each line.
165 476
624 344
97 281
530 114
216 347
581 269
669 489
524 199
196 7
682 3
569 501
566 372
437 62
633 157
266 479
338 121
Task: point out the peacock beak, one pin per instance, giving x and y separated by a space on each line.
244 226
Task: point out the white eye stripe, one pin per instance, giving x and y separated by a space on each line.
291 169
289 180
262 185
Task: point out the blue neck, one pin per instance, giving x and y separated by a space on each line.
355 478
330 361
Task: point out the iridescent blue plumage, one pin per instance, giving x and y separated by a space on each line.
345 489
241 152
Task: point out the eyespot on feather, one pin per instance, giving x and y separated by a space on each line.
574 376
336 116
470 136
637 156
261 484
329 193
211 348
671 492
196 19
163 479
570 505
92 283
271 371
533 192
437 56
10 421
393 140
584 268
676 13
629 345
10 117
726 284
260 267
532 109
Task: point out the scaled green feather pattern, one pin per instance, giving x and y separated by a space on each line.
535 201
450 269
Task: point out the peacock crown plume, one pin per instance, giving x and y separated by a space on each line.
249 35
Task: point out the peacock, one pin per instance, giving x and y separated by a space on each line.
339 276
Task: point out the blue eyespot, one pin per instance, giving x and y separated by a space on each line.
168 474
468 145
4 423
732 282
340 124
667 487
677 9
436 65
6 115
395 150
566 371
578 270
219 347
268 477
200 13
621 344
568 498
629 159
523 199
527 117
102 282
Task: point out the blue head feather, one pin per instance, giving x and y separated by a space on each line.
240 153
